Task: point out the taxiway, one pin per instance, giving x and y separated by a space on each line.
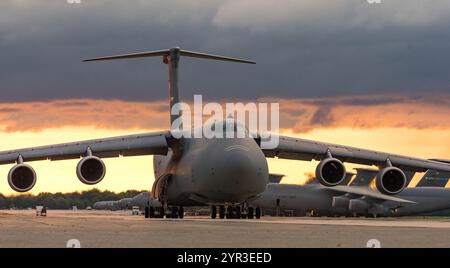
121 229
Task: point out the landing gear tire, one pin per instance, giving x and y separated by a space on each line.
243 214
161 212
222 212
237 212
147 212
229 214
174 212
213 212
258 213
180 212
250 213
151 212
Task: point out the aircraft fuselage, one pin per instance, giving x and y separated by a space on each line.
315 197
203 171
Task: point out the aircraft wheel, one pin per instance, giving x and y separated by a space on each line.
180 212
222 212
146 212
258 212
238 212
250 213
174 212
161 212
213 212
151 212
243 214
230 213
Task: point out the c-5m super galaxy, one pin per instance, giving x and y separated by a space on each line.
357 198
142 200
221 173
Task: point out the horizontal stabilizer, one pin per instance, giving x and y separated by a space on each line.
212 57
133 55
166 52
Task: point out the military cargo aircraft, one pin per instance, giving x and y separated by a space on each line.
357 198
218 172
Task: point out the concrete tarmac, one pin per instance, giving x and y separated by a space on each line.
121 229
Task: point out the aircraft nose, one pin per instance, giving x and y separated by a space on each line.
236 166
238 172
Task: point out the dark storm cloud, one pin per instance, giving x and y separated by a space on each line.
296 115
303 48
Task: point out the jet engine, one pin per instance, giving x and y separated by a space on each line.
391 181
22 178
91 170
330 172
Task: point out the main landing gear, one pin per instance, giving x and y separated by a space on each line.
235 212
161 212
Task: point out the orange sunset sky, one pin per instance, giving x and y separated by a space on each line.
418 128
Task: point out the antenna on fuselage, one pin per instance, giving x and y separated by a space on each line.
171 57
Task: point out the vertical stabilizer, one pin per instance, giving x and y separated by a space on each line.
171 57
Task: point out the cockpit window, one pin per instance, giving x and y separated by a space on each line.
229 126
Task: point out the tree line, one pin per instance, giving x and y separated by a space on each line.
81 200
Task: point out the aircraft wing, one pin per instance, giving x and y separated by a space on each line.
302 149
367 192
131 145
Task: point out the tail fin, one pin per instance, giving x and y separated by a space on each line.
171 57
347 179
364 176
433 178
275 178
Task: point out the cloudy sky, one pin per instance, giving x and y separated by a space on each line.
345 71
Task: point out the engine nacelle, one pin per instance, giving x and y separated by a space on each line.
340 202
22 178
391 181
330 172
358 206
91 170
